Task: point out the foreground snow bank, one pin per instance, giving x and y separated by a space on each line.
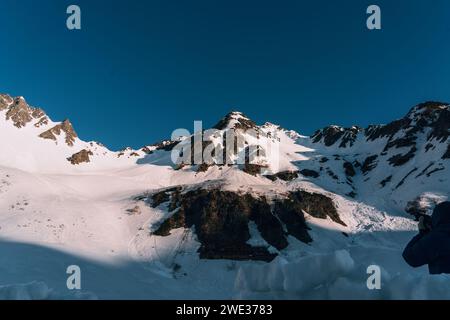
37 291
332 276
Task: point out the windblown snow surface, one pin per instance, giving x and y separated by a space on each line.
54 214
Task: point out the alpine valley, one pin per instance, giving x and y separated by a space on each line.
304 223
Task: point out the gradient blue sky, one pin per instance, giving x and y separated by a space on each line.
139 69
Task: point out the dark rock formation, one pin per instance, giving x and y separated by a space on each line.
309 173
401 159
221 219
242 122
147 150
162 196
404 178
317 205
5 101
349 169
386 181
221 223
434 171
332 174
424 171
283 175
177 220
65 127
42 122
203 167
369 163
447 153
20 112
166 145
253 169
381 131
330 135
80 157
432 115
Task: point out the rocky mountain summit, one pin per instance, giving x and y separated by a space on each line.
19 112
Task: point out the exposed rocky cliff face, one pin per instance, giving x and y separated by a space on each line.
447 153
21 114
430 118
397 156
330 135
235 120
283 175
18 111
221 219
64 127
5 101
80 157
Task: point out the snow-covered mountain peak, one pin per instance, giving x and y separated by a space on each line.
427 108
235 120
20 113
31 141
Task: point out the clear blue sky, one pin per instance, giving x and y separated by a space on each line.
139 69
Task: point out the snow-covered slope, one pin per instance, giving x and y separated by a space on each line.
31 141
332 204
397 163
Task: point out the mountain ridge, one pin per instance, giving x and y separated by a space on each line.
311 204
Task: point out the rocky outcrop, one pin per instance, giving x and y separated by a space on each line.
401 159
381 131
349 169
80 157
19 112
447 153
309 173
235 120
147 149
405 177
431 116
221 223
369 164
5 101
283 175
330 135
165 195
203 167
221 219
316 205
253 169
42 122
429 120
386 181
64 127
165 145
128 152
